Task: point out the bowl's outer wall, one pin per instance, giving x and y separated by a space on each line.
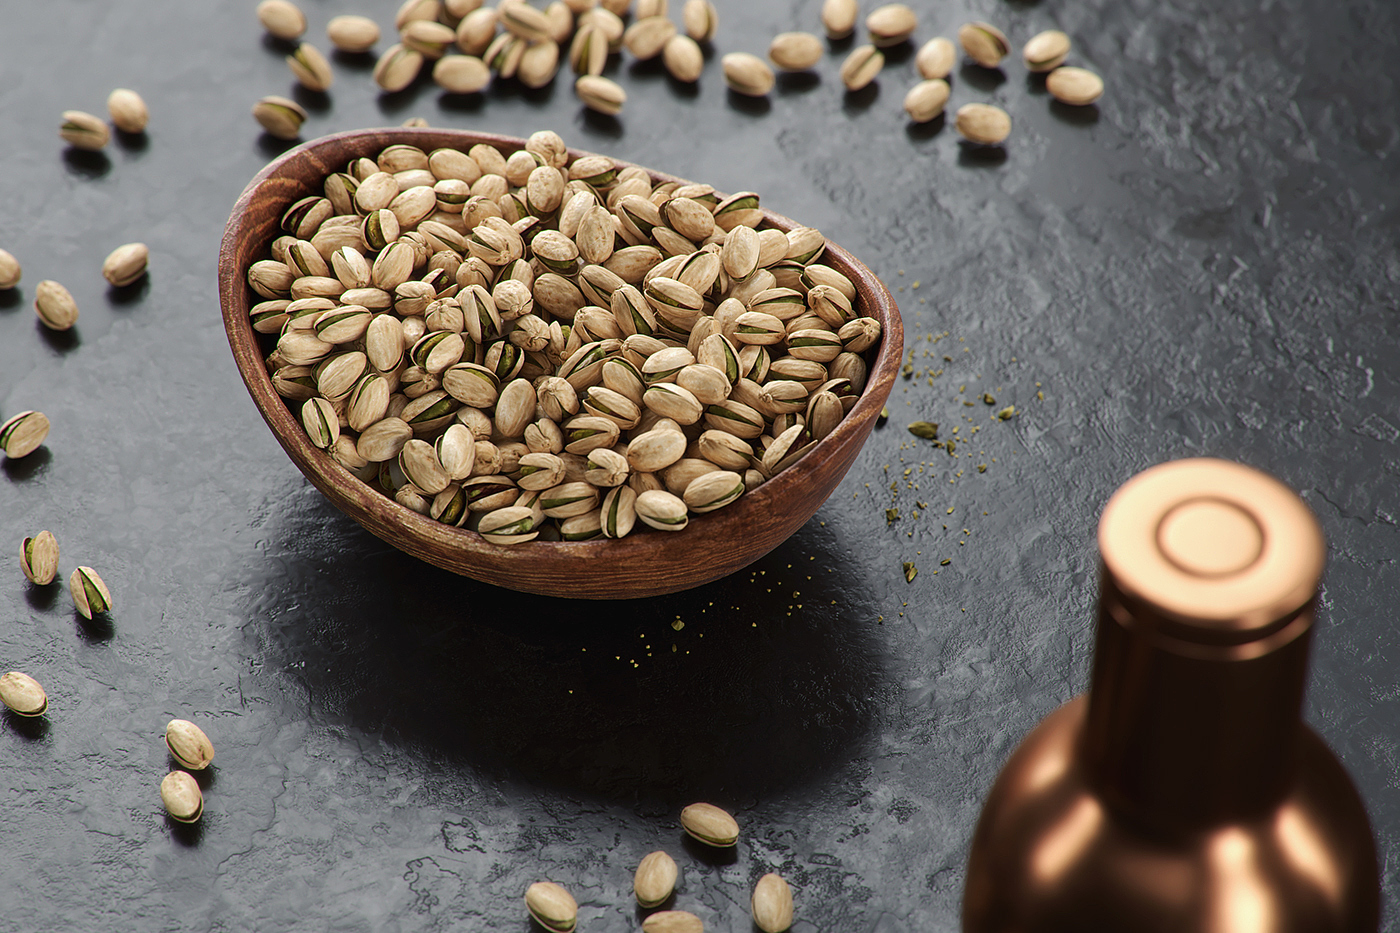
645 564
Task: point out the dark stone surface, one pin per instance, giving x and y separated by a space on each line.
1205 263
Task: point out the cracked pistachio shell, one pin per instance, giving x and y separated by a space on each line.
600 94
55 305
583 527
125 264
351 33
926 100
700 19
1077 87
839 18
890 24
710 825
128 110
188 744
319 418
538 471
461 74
476 30
569 499
181 796
588 53
795 51
23 695
420 464
683 58
712 491
861 67
1046 51
983 124
83 131
38 558
605 468
662 511
655 879
281 117
431 39
9 270
281 18
310 67
673 921
936 58
397 67
22 434
90 594
747 74
984 43
772 904
647 37
552 907
618 514
655 450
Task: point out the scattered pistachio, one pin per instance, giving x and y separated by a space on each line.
673 921
128 110
683 58
282 19
552 907
709 824
701 19
1006 413
22 434
311 68
983 124
925 429
9 270
55 306
188 744
747 74
38 558
281 117
600 94
839 18
926 100
655 879
861 67
771 904
351 33
936 58
182 797
984 43
23 694
910 572
125 264
397 67
795 51
1077 87
890 24
83 131
1046 51
90 595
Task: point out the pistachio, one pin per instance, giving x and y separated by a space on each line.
713 490
281 117
319 419
83 131
618 514
9 270
428 38
655 879
55 306
514 524
984 43
983 124
397 67
538 64
710 825
936 58
412 10
182 797
839 18
188 744
38 558
1077 87
647 36
772 904
383 440
23 694
90 594
861 67
476 30
606 468
523 20
128 110
583 527
600 94
683 58
588 53
353 34
281 18
701 19
890 24
22 434
926 100
1046 51
552 907
311 68
125 264
747 74
673 921
662 511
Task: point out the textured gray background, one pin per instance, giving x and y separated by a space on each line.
1204 264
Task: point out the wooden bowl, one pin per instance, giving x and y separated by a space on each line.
646 562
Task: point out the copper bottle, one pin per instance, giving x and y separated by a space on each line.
1183 793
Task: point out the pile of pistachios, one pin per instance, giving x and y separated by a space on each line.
498 339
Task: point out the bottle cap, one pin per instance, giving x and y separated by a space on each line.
1212 545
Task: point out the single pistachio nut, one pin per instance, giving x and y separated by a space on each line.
663 511
23 694
90 594
514 524
926 100
655 879
600 94
188 744
713 491
311 68
839 18
673 921
683 58
523 20
647 37
1046 51
772 904
38 558
397 67
890 24
795 51
282 19
588 53
461 74
351 33
22 434
861 67
984 43
552 907
936 58
322 424
1077 87
983 124
281 117
701 19
9 270
55 306
709 824
83 131
432 39
128 110
181 796
125 264
747 74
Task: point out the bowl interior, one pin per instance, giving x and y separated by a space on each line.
645 563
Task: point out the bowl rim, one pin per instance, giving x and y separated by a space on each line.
379 511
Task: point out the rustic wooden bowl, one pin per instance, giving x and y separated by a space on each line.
645 563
